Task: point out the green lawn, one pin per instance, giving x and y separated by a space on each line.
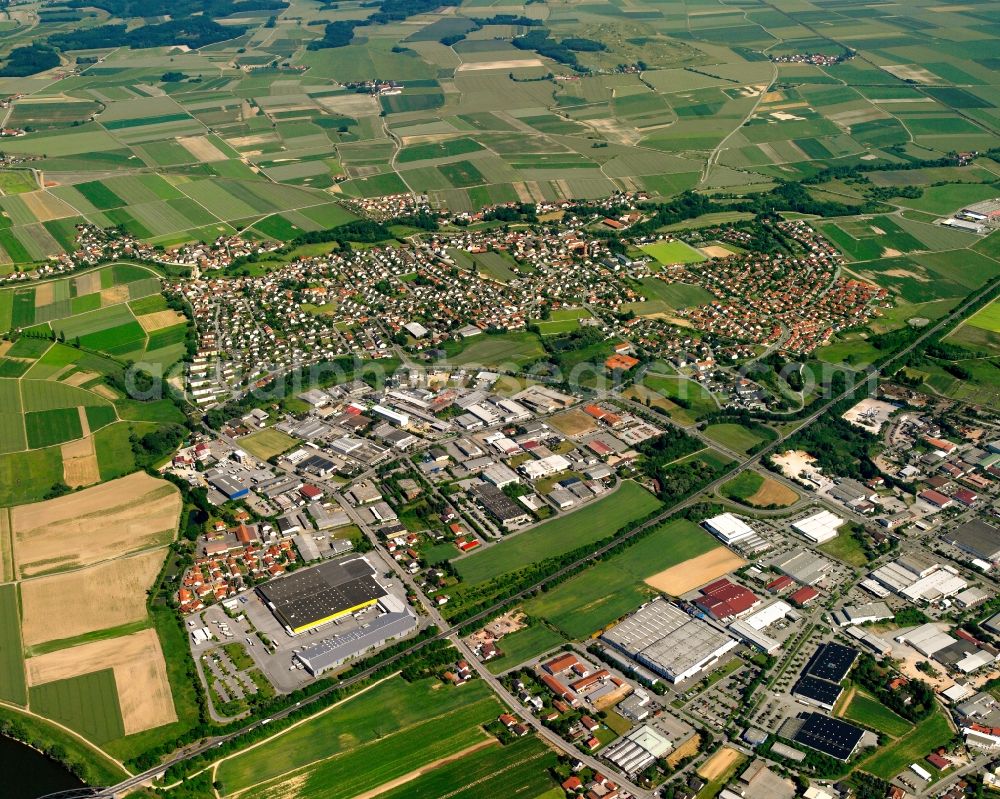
267 443
673 252
866 710
493 350
612 588
594 521
743 486
524 644
845 547
931 733
735 436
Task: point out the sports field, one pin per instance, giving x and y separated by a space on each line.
601 594
673 252
379 735
594 521
267 443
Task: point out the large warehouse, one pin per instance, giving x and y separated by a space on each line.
313 597
667 640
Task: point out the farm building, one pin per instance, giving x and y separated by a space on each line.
313 597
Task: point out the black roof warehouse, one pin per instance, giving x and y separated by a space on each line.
830 736
312 597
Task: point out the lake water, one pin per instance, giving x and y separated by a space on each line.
28 774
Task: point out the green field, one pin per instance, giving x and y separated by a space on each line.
845 547
870 712
12 683
519 646
519 769
562 534
673 252
87 704
743 486
612 588
494 350
736 437
931 733
396 725
694 399
267 443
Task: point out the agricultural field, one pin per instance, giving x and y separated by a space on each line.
78 644
612 588
929 734
867 711
562 534
738 438
394 728
524 644
759 491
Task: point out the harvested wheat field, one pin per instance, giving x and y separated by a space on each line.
107 521
115 295
80 467
773 493
89 283
719 763
160 320
691 574
573 423
715 251
45 294
140 675
78 378
45 207
86 600
201 148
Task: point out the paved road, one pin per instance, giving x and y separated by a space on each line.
449 633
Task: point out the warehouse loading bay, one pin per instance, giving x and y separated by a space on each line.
253 619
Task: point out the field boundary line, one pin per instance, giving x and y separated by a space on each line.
433 766
215 765
69 731
304 768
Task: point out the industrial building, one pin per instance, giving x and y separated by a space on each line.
802 565
337 650
316 596
830 736
919 580
977 538
861 614
668 641
727 528
638 749
820 527
723 600
751 628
